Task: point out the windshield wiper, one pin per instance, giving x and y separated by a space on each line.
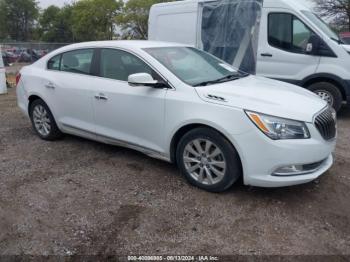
339 41
222 79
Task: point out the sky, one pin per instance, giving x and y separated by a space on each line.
46 3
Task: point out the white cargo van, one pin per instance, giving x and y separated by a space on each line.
3 87
285 40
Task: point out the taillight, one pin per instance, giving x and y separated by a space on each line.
18 77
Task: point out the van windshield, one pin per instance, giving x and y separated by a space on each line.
193 66
322 25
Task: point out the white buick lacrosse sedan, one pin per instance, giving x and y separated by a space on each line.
183 105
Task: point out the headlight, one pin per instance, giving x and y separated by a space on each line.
279 128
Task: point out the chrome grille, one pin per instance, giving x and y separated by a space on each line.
325 123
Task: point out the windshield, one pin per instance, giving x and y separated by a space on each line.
193 66
321 25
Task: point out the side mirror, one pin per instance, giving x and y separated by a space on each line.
142 79
309 48
313 45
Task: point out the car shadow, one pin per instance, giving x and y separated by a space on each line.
238 189
344 112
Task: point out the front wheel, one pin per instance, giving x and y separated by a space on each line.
328 92
208 160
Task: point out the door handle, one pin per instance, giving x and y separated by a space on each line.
266 55
101 97
50 85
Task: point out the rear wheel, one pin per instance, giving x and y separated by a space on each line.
328 92
208 160
43 121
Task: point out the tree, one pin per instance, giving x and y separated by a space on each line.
18 18
3 29
95 19
337 10
55 24
48 21
134 19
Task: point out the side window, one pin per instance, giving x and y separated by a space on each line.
118 65
287 32
54 63
77 61
301 35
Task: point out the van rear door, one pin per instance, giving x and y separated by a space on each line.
229 30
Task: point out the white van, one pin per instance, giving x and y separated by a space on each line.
3 87
287 41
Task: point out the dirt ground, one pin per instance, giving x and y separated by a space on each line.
76 196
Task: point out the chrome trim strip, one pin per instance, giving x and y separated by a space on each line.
318 113
172 87
78 129
216 98
112 141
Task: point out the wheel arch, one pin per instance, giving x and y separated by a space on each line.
329 78
31 99
35 96
190 126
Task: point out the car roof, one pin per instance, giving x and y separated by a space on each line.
128 44
132 45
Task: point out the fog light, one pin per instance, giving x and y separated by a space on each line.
294 170
288 170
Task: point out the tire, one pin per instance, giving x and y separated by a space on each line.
195 166
41 116
325 90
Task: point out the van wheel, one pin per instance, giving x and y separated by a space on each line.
43 121
208 160
328 92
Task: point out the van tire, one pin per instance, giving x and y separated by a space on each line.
209 182
328 89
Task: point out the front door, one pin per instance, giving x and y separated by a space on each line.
282 47
125 113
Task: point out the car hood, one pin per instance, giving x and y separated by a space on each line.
266 96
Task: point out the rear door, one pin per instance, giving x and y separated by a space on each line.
69 88
282 47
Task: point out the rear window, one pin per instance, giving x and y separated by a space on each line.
54 63
76 61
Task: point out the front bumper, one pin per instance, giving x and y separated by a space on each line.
282 181
262 156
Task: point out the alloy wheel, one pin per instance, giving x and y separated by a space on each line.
41 120
204 161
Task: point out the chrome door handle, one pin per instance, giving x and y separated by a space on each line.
50 85
101 97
